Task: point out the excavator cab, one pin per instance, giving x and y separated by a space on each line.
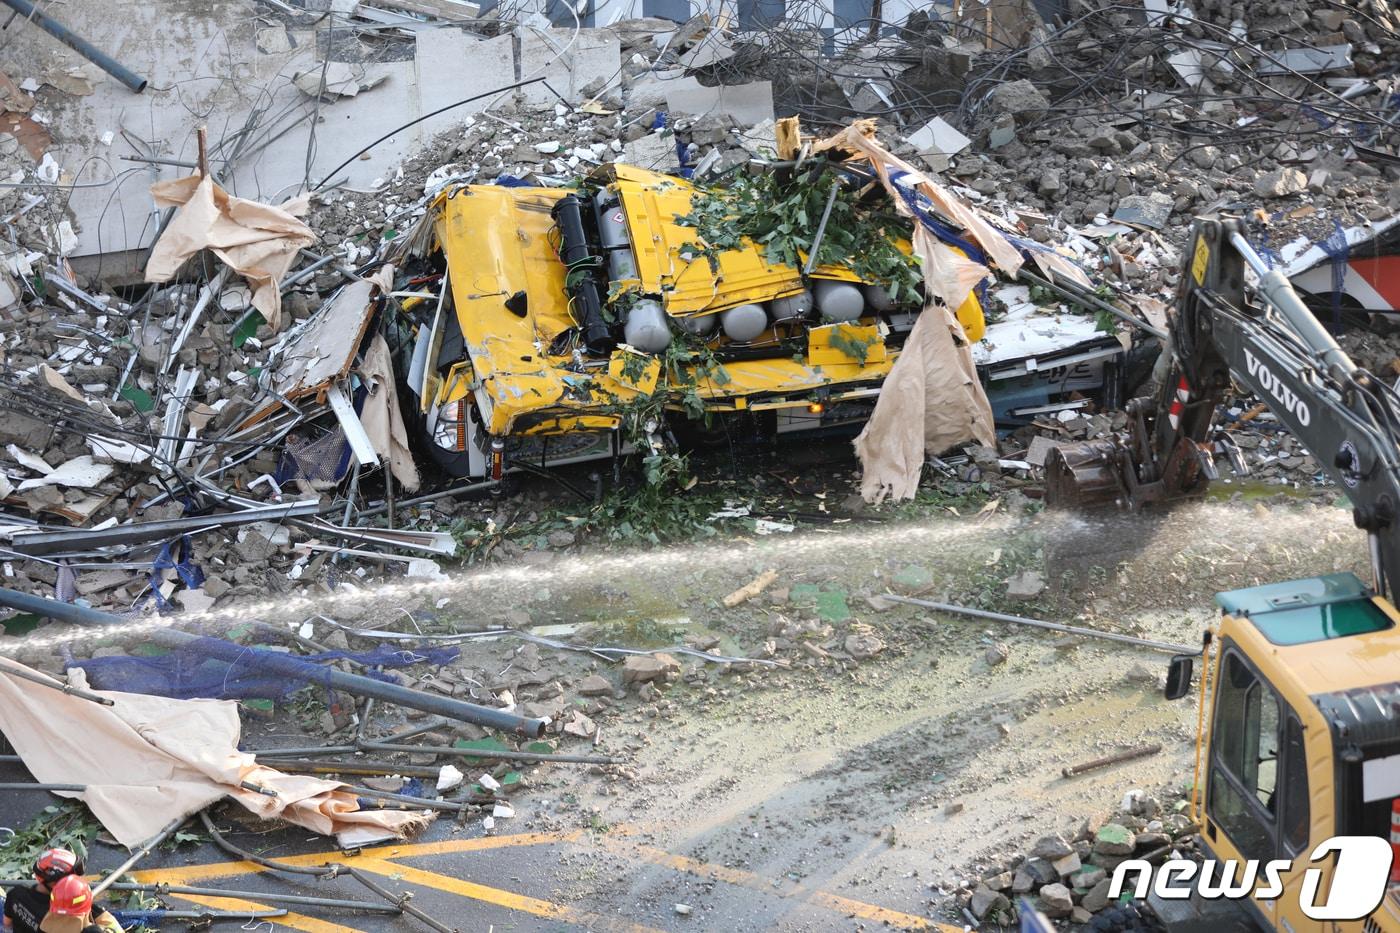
1299 743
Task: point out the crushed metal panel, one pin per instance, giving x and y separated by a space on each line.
1371 268
323 351
1315 60
651 203
496 242
1027 332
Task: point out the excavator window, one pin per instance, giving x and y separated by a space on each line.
1295 786
1242 796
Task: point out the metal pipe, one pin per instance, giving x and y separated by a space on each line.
274 898
401 900
28 785
307 750
385 768
430 497
1037 623
301 899
821 228
398 903
36 677
178 163
78 44
1066 289
275 663
158 915
59 281
1131 754
41 543
219 840
490 755
138 855
290 281
419 802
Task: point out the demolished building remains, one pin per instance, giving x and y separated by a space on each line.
283 280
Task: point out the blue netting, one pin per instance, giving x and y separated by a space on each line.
215 669
923 210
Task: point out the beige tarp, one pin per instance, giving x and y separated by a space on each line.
380 416
146 760
931 399
258 241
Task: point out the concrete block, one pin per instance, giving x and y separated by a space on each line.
654 151
747 103
451 65
594 56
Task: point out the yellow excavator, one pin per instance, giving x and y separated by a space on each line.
1299 723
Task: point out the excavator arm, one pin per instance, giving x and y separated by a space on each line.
1257 333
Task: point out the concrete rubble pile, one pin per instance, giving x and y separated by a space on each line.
1066 877
126 407
147 416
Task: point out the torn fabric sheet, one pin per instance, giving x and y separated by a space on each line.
859 138
1058 268
146 760
381 417
930 401
258 241
932 398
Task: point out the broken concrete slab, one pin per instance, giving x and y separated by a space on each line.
938 135
644 668
595 685
333 80
1114 839
1314 60
649 89
986 902
1056 901
79 473
1280 183
570 63
1150 210
476 66
1028 584
655 151
747 103
1016 97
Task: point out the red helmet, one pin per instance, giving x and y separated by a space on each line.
71 897
53 865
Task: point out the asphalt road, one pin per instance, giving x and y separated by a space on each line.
469 881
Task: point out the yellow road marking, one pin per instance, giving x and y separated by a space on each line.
186 873
293 920
507 899
754 882
382 860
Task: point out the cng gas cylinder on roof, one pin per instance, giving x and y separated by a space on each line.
838 301
698 325
744 323
877 297
612 225
622 265
793 307
647 328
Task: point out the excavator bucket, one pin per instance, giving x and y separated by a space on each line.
1083 476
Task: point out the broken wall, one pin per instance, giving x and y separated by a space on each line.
220 64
